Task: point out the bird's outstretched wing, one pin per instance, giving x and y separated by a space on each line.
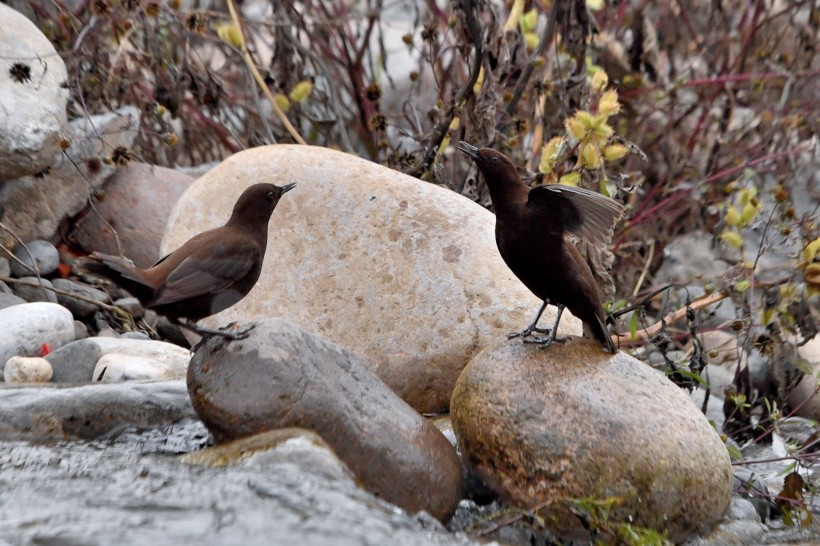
209 274
585 213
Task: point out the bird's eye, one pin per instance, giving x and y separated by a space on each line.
494 159
270 196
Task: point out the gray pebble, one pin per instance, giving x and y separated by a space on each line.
46 259
80 330
34 291
135 335
79 308
132 306
7 300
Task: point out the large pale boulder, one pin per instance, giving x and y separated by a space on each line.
25 328
391 267
32 97
573 422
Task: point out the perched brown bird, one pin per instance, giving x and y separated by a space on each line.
530 228
207 274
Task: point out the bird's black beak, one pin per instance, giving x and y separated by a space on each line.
287 187
468 149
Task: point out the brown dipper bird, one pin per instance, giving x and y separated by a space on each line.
207 274
530 225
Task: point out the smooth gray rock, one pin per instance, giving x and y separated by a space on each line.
7 300
79 308
292 491
75 362
32 97
80 330
32 289
740 525
5 267
90 411
26 327
282 376
132 306
36 256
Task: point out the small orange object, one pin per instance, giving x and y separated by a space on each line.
45 348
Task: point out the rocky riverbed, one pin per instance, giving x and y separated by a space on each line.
378 312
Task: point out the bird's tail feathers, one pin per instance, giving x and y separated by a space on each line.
602 334
118 269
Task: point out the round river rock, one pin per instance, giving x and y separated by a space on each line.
281 376
574 422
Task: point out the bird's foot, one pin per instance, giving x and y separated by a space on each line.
527 333
230 331
549 340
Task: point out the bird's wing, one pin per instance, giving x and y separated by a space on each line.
214 272
585 213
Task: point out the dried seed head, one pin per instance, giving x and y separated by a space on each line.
121 156
373 92
377 123
20 72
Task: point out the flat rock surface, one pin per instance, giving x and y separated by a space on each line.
574 422
281 376
391 267
134 490
90 411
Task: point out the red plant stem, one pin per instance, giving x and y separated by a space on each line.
754 76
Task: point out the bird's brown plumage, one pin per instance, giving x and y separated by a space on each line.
530 233
210 272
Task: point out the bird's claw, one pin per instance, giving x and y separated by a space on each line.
527 336
230 331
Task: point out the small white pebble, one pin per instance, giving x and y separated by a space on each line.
25 369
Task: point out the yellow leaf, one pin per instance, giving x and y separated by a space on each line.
529 20
230 34
531 41
575 128
570 179
614 152
590 155
601 129
550 153
732 238
732 216
282 102
609 105
599 81
747 214
595 5
742 286
811 250
301 91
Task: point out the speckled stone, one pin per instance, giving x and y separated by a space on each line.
572 421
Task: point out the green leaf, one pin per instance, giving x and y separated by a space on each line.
804 366
633 325
734 453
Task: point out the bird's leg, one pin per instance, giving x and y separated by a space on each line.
551 338
527 332
226 332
